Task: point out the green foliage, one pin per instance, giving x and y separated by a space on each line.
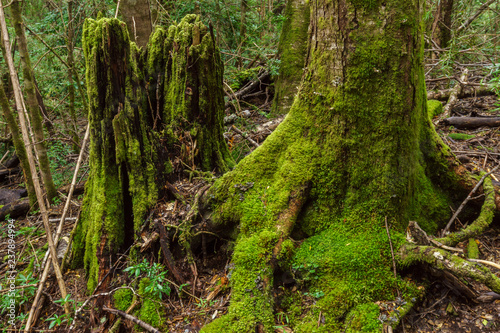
60 166
157 284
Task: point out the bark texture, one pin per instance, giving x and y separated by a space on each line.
356 147
138 101
292 51
137 16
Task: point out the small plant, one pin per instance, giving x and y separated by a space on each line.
156 273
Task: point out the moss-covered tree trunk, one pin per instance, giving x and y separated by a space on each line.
32 103
356 148
18 144
152 111
292 51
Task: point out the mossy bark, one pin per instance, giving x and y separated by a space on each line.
132 131
32 103
357 147
292 51
18 144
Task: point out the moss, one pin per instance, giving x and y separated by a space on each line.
460 136
364 318
435 108
151 311
122 299
472 249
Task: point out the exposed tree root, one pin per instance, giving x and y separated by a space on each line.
441 259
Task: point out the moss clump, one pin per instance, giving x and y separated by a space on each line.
364 318
434 108
472 249
151 311
123 299
460 136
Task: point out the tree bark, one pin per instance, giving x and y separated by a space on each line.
356 147
292 51
71 88
137 16
32 103
18 144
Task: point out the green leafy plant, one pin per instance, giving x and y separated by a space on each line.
156 274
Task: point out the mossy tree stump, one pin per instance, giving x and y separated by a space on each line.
356 148
143 105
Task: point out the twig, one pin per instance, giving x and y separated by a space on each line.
486 262
473 17
117 7
454 94
469 197
139 322
45 274
392 254
234 96
237 130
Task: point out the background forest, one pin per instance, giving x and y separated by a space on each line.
462 49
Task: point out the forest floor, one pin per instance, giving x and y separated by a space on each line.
445 308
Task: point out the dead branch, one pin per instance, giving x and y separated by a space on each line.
137 321
240 132
486 262
471 122
454 94
45 274
467 91
488 188
167 254
247 88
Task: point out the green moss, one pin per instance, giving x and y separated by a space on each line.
151 311
364 318
123 299
460 136
472 249
435 108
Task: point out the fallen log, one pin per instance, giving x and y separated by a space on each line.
471 122
15 209
248 88
468 91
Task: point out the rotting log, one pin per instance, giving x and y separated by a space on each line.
467 91
471 122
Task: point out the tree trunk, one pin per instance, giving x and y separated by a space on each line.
71 88
137 16
18 144
292 51
149 117
32 103
357 147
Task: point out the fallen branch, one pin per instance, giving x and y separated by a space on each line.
471 122
240 132
247 89
467 91
471 231
486 262
137 321
454 94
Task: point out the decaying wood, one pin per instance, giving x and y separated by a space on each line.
245 136
137 321
15 209
471 122
167 254
247 88
467 91
454 94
